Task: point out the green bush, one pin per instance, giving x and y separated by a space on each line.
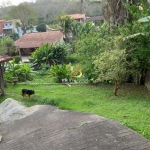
49 55
20 71
65 72
17 59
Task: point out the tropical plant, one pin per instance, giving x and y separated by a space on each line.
6 46
79 28
64 71
49 55
65 23
20 71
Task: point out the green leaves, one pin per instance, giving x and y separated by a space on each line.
65 72
24 13
111 65
6 46
22 71
49 55
41 27
144 20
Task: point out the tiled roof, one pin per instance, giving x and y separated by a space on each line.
95 18
5 58
77 16
34 40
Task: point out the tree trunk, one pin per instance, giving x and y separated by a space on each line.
116 87
2 81
24 28
143 76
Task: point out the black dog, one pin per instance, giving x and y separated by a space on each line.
28 92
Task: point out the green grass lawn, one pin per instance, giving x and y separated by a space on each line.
131 107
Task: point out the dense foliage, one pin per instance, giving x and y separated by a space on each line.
41 27
7 46
116 53
65 72
49 55
24 13
17 72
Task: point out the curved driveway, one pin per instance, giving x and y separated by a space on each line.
52 129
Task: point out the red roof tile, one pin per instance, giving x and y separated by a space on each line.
5 58
34 40
77 16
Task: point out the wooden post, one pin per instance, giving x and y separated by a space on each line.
2 81
19 52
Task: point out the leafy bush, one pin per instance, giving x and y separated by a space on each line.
20 71
41 27
17 59
65 72
49 55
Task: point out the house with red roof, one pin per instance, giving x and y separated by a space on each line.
30 41
95 19
78 17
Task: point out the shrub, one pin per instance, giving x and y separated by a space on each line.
65 72
17 59
49 55
20 71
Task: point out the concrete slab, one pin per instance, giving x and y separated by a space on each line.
52 129
25 59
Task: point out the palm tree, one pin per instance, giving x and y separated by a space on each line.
65 23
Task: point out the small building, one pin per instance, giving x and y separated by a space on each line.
8 27
95 19
2 60
78 17
30 41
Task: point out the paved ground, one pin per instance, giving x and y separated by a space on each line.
52 129
25 59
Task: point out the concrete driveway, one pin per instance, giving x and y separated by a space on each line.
52 129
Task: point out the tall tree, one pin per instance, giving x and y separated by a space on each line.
114 11
23 12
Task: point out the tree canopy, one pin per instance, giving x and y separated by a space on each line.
23 12
41 27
